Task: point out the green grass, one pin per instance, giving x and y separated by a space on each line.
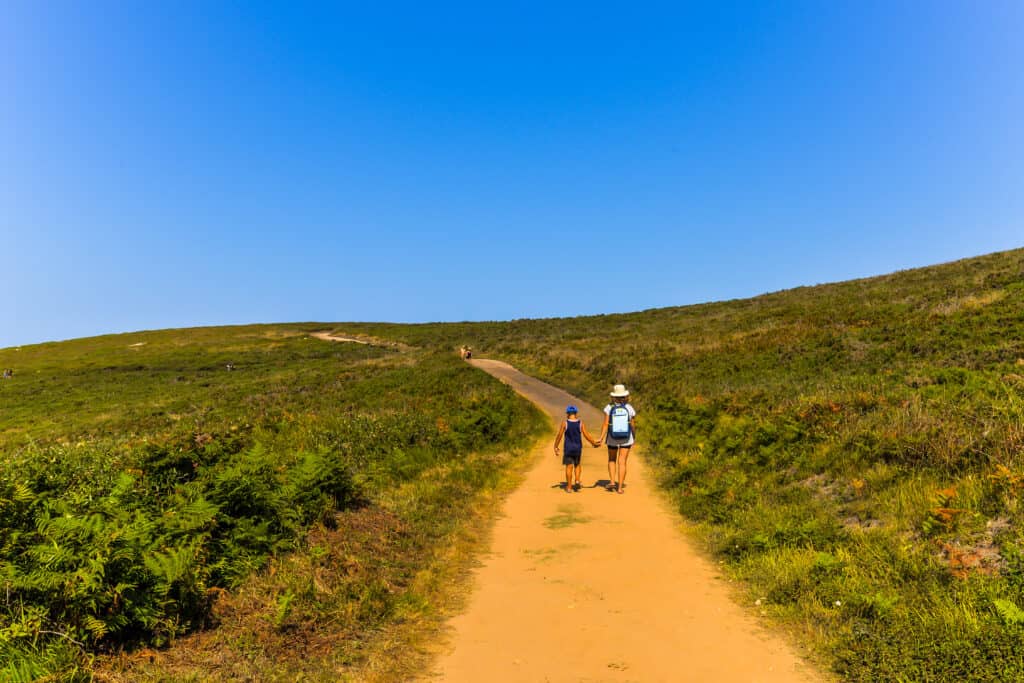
142 479
567 516
853 454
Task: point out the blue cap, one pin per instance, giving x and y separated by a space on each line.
571 409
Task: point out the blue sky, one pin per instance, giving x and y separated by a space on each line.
179 164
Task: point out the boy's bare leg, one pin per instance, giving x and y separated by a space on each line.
623 458
568 478
579 472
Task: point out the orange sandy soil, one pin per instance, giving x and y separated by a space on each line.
598 586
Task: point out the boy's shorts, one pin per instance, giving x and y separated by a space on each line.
571 459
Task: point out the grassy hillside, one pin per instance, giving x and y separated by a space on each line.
311 498
852 452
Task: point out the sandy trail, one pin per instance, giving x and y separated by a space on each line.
327 336
597 586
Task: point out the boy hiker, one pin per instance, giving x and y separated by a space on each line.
574 431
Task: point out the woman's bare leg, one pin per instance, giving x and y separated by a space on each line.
622 459
611 466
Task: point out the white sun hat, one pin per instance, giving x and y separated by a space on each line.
619 391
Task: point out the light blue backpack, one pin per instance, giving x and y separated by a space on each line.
618 422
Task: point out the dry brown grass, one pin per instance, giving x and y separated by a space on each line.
969 302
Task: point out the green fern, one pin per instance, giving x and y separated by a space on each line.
96 627
23 494
169 566
1009 612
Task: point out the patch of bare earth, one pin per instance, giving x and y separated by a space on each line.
362 339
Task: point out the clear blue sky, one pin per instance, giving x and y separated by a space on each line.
179 164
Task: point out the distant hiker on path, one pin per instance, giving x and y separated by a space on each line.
618 432
574 431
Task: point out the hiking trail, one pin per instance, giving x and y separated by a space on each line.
598 586
327 336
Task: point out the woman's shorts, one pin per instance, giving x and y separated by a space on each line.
571 459
619 443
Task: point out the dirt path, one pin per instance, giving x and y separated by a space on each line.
327 336
597 586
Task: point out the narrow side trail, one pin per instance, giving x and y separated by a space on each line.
327 336
598 586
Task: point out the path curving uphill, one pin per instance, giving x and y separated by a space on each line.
596 586
327 336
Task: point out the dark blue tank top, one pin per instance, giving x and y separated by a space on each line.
573 438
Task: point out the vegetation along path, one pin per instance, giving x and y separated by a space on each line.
596 586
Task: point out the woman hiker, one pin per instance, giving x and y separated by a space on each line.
618 432
574 432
